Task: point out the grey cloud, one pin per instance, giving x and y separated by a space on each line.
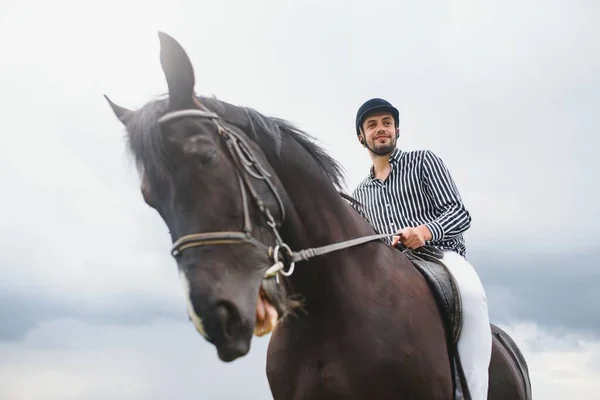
557 290
72 359
21 313
164 360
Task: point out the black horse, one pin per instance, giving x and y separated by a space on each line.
238 191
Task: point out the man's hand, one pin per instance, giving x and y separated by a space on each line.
412 238
266 315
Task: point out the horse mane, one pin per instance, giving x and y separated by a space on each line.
270 132
147 143
332 168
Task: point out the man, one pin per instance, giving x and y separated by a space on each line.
412 195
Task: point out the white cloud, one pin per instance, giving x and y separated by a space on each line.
560 367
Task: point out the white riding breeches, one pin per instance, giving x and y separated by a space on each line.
475 341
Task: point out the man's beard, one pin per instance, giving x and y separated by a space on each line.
383 150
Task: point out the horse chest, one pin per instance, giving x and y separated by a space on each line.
324 373
325 379
319 378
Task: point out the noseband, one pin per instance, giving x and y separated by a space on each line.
247 166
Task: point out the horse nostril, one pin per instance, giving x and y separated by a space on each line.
227 318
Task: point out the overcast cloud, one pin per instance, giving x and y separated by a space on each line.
505 92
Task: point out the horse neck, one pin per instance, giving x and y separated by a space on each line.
319 216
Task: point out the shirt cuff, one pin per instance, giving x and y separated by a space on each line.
437 232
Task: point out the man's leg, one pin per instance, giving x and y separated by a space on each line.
475 342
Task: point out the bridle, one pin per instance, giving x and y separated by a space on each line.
248 166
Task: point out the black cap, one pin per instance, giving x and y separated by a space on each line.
375 105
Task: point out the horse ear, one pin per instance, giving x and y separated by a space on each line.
178 71
122 113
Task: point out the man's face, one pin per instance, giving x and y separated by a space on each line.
379 133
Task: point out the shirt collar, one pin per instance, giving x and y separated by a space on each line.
394 158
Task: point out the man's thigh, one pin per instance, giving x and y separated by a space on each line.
465 275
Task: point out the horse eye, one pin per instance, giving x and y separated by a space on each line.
208 156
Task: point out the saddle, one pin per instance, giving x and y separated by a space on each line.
428 261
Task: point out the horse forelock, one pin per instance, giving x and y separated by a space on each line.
146 140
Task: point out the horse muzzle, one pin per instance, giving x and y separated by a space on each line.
220 322
224 327
232 335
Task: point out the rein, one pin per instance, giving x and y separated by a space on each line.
247 165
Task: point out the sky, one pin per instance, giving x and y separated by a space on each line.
504 92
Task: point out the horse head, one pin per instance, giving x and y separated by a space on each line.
220 199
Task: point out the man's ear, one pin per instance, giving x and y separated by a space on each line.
361 139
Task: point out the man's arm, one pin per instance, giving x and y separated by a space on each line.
453 218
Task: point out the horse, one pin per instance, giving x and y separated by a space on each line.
357 318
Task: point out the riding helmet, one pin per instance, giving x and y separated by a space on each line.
373 105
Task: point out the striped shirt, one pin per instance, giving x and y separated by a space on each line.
419 190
